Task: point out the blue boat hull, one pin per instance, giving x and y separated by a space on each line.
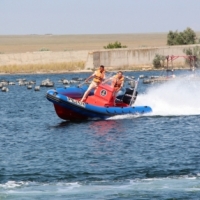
69 108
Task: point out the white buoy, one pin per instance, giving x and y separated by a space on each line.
4 89
37 88
29 87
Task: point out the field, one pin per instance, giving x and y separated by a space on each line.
30 43
59 43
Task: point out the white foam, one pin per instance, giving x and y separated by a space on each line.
62 187
13 184
126 116
178 97
179 183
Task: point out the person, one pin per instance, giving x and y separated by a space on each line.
118 81
98 76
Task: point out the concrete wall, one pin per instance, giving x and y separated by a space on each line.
137 57
110 58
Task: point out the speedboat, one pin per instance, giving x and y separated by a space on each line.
100 104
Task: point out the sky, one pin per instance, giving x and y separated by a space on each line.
63 17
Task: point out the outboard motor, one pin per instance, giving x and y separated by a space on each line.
128 96
131 93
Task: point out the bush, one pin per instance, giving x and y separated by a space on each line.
44 49
188 36
114 45
159 61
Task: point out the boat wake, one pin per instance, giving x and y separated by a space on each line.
126 116
65 190
175 98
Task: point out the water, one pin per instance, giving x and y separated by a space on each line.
155 156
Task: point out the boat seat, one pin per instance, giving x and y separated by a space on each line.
120 95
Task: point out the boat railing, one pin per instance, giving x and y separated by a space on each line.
134 93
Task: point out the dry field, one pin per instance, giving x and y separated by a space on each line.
55 43
30 43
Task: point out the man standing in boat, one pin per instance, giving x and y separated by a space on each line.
98 77
118 81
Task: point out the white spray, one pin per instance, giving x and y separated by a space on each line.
177 97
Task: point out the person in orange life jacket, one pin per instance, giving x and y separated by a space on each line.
98 77
118 81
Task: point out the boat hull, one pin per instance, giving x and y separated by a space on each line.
69 108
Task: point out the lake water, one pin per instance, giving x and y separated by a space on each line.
154 156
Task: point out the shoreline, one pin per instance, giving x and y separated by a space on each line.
88 71
58 72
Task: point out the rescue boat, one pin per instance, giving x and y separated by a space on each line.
100 104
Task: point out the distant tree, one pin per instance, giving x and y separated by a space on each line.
188 36
171 37
193 52
114 45
159 61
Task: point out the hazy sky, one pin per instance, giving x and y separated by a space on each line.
97 16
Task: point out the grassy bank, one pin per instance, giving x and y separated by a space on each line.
76 67
43 68
63 68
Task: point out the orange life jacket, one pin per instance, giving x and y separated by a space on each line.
98 76
117 82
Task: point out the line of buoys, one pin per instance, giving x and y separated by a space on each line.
45 83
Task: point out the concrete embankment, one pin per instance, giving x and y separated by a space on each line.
140 57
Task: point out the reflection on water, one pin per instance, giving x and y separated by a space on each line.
105 127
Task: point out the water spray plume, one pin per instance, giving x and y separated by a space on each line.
178 97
